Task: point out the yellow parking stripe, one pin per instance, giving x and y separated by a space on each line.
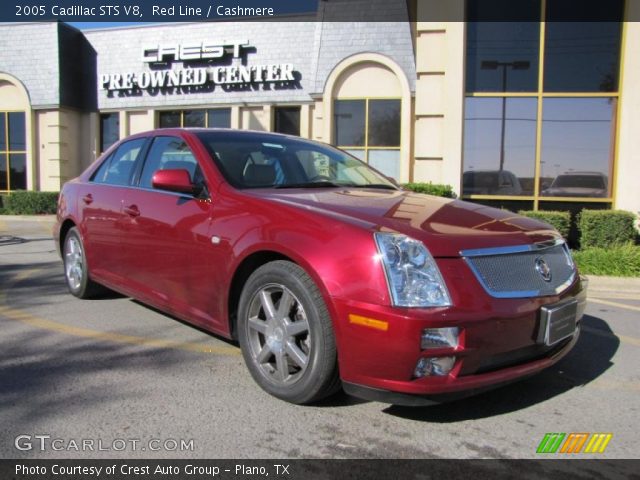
42 323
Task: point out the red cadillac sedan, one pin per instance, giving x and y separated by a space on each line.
326 273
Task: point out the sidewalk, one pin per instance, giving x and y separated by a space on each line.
28 218
614 286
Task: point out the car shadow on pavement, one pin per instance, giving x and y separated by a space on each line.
589 359
46 375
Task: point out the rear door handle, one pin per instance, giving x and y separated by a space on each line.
87 199
132 210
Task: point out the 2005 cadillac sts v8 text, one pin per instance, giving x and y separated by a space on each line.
326 273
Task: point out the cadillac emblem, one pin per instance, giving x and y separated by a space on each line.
543 269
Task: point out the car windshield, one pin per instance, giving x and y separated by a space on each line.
579 181
269 161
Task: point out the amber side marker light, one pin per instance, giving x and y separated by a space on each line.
369 322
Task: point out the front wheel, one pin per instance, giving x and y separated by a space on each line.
286 335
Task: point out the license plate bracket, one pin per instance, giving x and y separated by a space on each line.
557 322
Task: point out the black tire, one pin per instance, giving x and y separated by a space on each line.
76 270
270 342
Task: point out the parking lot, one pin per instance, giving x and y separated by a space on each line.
113 369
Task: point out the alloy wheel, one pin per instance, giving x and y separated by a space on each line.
279 335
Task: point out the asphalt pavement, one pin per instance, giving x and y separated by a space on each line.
116 373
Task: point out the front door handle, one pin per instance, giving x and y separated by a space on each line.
132 210
87 199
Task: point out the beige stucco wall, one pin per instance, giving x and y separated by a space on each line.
628 166
256 118
439 94
65 146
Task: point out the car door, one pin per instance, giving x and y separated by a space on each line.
100 203
166 246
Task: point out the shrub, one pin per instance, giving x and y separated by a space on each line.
30 203
436 189
618 261
606 228
561 221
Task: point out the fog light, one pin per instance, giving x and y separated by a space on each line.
439 338
436 366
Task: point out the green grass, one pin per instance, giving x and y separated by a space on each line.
620 261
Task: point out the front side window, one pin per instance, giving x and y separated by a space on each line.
118 168
369 129
541 101
168 153
13 151
261 161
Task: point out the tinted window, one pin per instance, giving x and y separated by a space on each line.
194 118
582 56
18 173
577 137
3 172
384 123
219 118
349 122
168 153
122 162
502 56
287 120
169 119
499 146
3 143
17 137
109 130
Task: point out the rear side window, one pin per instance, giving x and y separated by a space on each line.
169 153
117 169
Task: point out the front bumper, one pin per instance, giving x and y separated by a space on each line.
497 345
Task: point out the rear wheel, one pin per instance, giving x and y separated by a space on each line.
286 334
76 271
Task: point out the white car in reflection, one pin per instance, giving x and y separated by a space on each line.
577 184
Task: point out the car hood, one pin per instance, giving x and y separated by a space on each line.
446 226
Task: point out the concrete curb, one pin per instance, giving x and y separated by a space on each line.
614 285
28 218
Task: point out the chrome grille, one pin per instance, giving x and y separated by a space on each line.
512 272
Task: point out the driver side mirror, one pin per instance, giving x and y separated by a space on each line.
177 180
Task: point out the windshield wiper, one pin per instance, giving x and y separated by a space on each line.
328 184
323 184
382 186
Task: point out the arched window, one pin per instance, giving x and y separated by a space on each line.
13 138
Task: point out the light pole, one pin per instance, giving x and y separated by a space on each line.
494 65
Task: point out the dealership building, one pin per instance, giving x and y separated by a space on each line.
521 114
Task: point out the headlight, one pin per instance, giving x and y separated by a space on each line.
412 274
